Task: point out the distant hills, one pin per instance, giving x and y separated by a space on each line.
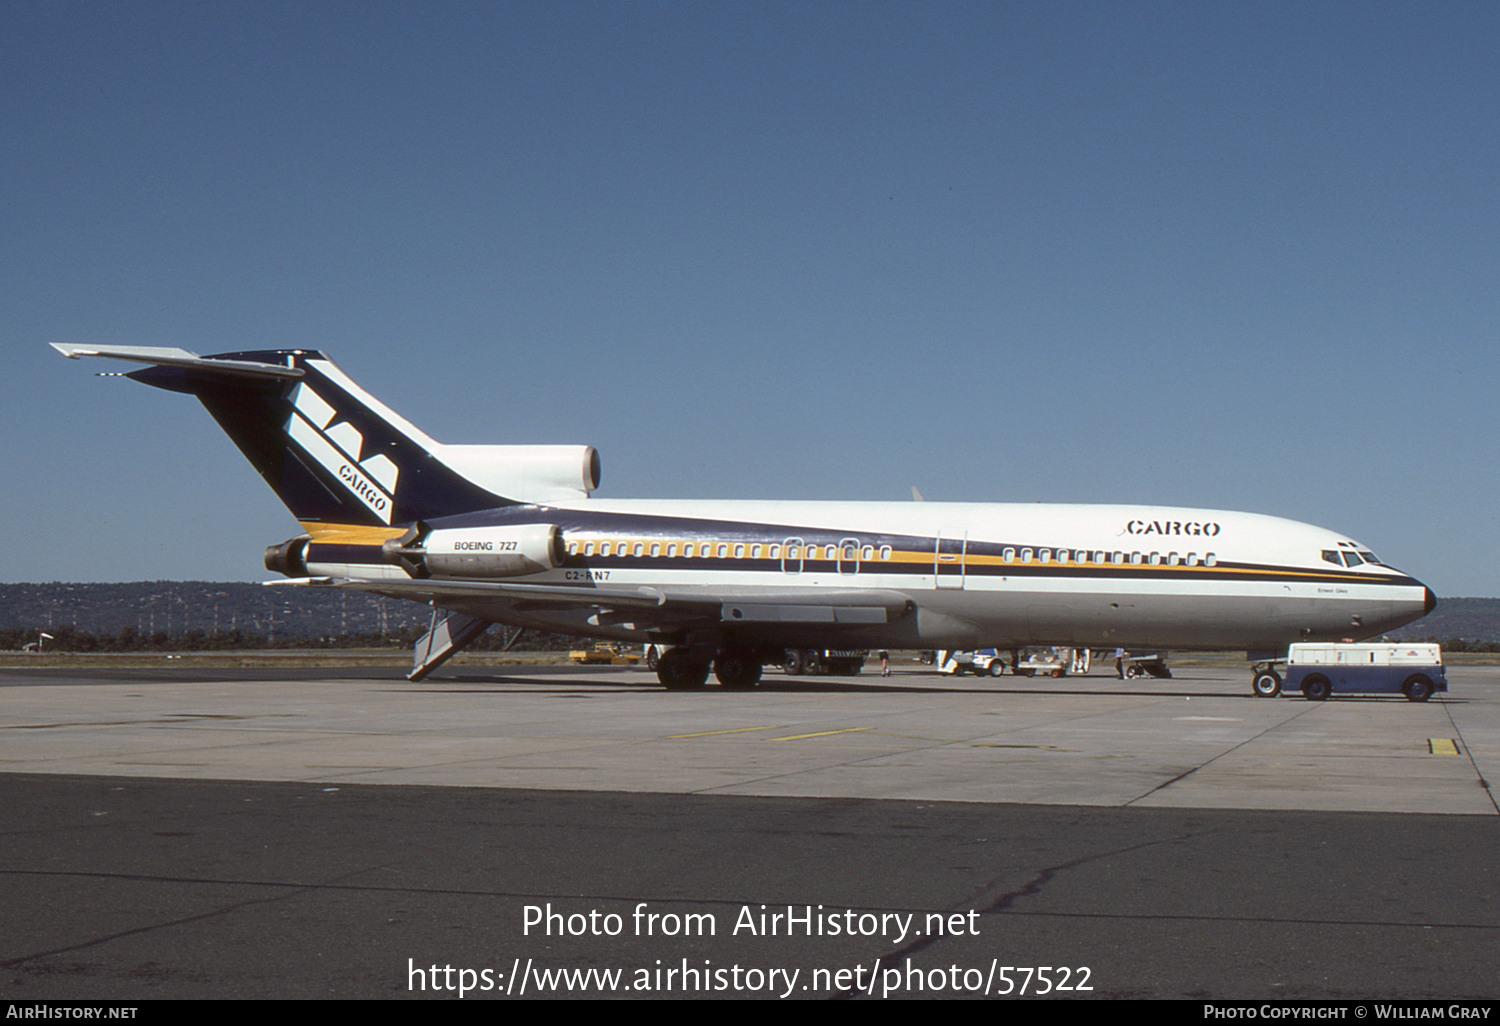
178 608
196 612
1472 619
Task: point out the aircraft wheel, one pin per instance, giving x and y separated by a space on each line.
676 673
1316 689
1267 684
736 670
793 664
1417 688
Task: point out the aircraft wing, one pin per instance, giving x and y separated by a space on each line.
667 605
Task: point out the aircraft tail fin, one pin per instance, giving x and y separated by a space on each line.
336 455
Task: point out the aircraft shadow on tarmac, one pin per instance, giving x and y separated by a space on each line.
868 685
543 679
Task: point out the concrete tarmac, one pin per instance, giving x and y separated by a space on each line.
245 833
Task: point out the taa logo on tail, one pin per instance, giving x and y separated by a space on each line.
336 447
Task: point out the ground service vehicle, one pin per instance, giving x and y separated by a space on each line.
817 661
1414 670
984 662
1153 665
610 652
1054 662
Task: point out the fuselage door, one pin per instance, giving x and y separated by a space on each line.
849 556
791 556
948 553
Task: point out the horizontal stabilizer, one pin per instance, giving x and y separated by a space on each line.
169 357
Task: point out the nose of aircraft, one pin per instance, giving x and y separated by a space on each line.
1404 610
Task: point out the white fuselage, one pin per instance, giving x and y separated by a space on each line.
976 574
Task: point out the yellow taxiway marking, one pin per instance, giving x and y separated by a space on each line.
821 733
711 733
962 741
1441 746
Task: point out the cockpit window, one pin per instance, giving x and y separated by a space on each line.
1351 559
1369 557
1330 556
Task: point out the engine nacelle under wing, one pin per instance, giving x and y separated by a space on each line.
481 552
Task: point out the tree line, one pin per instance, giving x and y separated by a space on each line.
129 639
1460 645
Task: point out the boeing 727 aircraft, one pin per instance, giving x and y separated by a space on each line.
508 534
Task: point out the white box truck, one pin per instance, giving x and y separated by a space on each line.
1320 670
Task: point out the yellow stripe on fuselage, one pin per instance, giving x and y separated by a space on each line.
350 534
954 564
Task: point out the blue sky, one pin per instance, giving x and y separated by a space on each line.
1236 256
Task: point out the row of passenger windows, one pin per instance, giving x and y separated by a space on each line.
1102 558
849 552
728 550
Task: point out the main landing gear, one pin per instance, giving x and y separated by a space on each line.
686 669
